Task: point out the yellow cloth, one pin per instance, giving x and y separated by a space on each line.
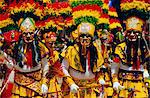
27 84
127 77
140 89
56 56
119 50
68 80
20 91
108 89
54 90
44 51
89 87
130 79
72 56
105 72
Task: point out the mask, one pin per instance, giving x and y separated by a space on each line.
28 37
132 35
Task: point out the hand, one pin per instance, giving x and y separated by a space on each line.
44 88
102 81
74 88
24 67
110 60
145 74
117 86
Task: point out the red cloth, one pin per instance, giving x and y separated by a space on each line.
8 89
7 93
116 60
58 69
11 36
89 60
103 49
138 63
28 56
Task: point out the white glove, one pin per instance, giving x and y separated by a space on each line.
102 81
24 67
110 60
44 88
117 86
74 88
145 74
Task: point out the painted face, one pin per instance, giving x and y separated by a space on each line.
132 35
28 37
50 39
85 40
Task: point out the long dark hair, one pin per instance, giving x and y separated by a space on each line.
93 55
19 52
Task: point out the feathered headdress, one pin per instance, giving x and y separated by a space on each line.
87 15
134 13
24 9
2 6
8 28
62 11
5 20
86 11
26 13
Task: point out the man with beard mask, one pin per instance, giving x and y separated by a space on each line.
129 62
81 63
28 54
9 37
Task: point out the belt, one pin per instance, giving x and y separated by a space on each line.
130 75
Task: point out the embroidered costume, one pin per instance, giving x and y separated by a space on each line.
53 72
132 52
81 63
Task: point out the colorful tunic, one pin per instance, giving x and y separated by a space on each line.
28 84
106 70
54 76
75 73
131 79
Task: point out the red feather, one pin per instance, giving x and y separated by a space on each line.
58 69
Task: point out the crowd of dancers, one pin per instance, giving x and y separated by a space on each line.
74 49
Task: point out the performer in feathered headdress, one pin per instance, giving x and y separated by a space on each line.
61 12
131 55
53 72
28 51
9 38
82 60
